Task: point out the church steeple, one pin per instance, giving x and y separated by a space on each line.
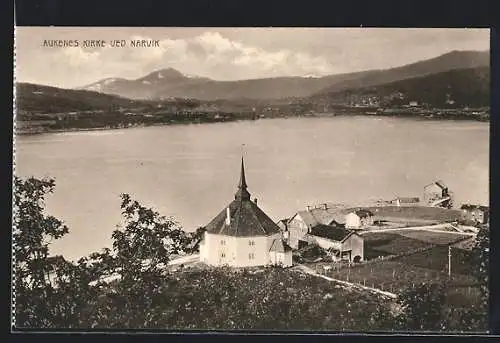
242 192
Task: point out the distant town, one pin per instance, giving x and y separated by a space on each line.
451 86
192 111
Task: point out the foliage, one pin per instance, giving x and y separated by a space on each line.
418 308
225 299
427 307
54 293
49 291
421 307
480 260
146 240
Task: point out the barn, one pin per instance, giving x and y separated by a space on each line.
343 244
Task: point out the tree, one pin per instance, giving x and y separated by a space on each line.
39 279
145 241
193 239
480 259
421 307
476 318
142 248
417 308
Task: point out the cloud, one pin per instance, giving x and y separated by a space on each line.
79 57
208 54
230 53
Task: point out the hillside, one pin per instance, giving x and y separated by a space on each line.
44 99
455 88
168 83
450 61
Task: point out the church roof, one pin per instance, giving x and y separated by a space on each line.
246 218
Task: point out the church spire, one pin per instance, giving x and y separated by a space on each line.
242 192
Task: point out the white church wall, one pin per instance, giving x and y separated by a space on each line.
221 250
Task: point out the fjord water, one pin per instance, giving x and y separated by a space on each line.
190 172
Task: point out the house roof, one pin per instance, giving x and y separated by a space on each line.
363 213
438 183
331 232
407 200
246 218
324 216
279 246
283 224
474 207
441 184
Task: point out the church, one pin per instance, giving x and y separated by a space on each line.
242 235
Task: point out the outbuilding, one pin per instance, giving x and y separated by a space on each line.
358 219
342 244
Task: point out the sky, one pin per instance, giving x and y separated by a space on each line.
229 53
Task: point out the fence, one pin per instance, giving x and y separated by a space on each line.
340 265
394 279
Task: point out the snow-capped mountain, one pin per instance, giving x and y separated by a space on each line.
312 76
152 86
168 83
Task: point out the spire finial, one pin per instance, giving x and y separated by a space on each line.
242 192
243 181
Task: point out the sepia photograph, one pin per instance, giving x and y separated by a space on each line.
251 179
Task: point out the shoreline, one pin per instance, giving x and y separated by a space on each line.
316 115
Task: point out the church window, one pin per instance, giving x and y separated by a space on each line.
251 243
222 255
222 242
251 256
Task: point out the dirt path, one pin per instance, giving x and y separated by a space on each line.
184 260
431 228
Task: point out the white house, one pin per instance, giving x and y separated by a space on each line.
242 235
280 253
406 201
435 191
358 219
475 213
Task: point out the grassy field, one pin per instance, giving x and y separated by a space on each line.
416 213
396 275
402 241
432 237
429 265
437 259
389 243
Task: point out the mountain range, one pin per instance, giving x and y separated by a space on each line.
170 83
466 87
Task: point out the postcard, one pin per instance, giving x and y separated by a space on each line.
269 179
